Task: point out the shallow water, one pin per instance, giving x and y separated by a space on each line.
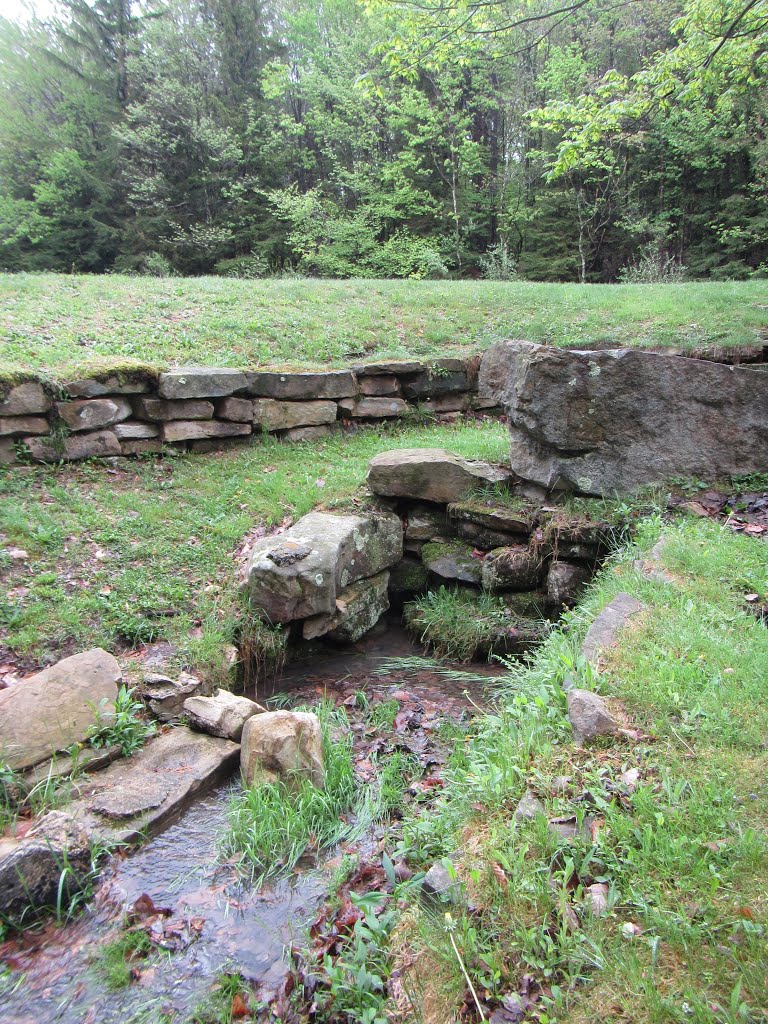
54 977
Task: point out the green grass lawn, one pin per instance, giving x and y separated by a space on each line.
118 557
63 324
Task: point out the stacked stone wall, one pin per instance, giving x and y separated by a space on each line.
203 408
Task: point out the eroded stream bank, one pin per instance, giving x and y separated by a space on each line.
200 915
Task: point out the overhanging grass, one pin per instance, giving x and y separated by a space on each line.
122 557
684 854
69 324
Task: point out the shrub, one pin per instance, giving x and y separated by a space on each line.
498 263
653 265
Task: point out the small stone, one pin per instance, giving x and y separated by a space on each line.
94 413
141 447
133 430
440 884
224 714
165 697
7 451
589 716
596 899
425 522
238 409
438 404
395 367
108 386
188 430
201 382
160 410
17 426
452 560
529 807
445 376
517 567
282 745
565 582
373 408
374 387
296 434
289 553
270 414
25 400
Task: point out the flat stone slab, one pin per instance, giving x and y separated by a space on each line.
271 414
94 413
301 386
201 382
190 430
99 444
603 632
25 400
430 474
56 708
139 796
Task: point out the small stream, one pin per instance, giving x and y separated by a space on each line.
216 922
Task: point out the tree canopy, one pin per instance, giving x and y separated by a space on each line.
588 140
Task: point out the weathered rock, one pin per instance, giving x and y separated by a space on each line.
25 400
430 474
396 367
165 697
440 884
238 409
269 414
184 762
517 567
437 404
445 376
423 522
100 444
56 708
32 870
302 386
612 421
17 426
519 518
224 714
408 577
94 413
596 899
141 447
282 745
189 430
452 560
307 433
384 384
201 382
485 539
589 716
108 386
565 582
301 572
7 451
604 630
373 408
529 807
358 609
134 430
161 410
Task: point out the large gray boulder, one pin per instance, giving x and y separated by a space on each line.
282 746
57 707
358 609
303 571
612 421
430 474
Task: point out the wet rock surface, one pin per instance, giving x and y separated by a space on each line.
224 714
282 745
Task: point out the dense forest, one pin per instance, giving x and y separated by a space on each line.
591 140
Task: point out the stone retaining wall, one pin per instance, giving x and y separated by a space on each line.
202 407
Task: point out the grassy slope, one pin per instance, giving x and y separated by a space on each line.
684 854
64 324
143 552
